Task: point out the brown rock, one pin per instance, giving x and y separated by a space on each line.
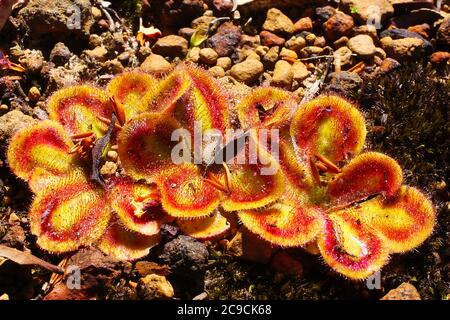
217 72
325 13
415 17
367 11
177 13
95 40
261 50
222 7
300 71
96 13
155 63
422 29
113 66
282 75
32 60
341 42
304 24
253 55
296 44
337 26
34 94
224 63
310 51
406 48
10 123
144 52
405 291
172 46
440 58
288 54
366 29
60 54
278 22
5 11
98 53
43 18
154 287
247 71
250 42
109 168
112 155
284 263
271 57
270 39
362 45
194 54
344 55
103 24
310 38
186 33
380 53
320 42
69 75
226 39
388 65
208 56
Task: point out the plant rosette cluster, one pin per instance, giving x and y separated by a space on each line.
324 191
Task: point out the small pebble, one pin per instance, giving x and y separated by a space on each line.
34 94
112 155
277 22
296 44
320 42
304 24
288 54
282 74
155 63
3 108
194 54
208 56
217 71
247 71
99 53
300 71
254 55
270 39
342 41
362 45
224 63
261 50
109 168
271 57
310 38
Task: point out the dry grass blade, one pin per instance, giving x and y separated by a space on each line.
25 258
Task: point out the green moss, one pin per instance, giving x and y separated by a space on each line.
412 106
132 10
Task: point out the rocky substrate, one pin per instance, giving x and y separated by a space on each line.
396 65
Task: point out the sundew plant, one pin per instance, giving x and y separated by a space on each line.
327 189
